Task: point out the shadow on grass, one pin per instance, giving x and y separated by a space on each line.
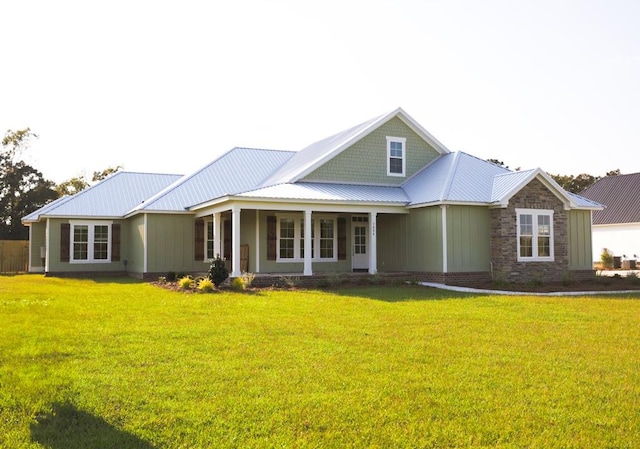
69 428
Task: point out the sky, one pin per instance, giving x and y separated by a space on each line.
168 86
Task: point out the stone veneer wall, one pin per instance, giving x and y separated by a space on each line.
504 238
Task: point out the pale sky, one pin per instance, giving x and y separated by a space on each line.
168 86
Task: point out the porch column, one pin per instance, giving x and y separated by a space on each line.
257 250
308 271
235 242
216 235
373 244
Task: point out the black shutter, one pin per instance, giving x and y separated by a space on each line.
227 239
65 241
198 248
271 237
342 238
115 242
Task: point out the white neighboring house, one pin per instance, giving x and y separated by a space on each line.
617 226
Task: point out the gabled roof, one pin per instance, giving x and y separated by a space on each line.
507 185
621 197
112 197
236 171
454 177
318 153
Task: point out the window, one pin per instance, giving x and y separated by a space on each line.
290 244
535 235
209 241
396 160
91 242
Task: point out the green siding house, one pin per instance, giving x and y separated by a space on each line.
382 197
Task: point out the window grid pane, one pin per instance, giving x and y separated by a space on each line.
287 238
101 242
210 254
326 238
80 242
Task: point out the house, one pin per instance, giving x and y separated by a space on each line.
617 226
382 197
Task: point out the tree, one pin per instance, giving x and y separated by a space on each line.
23 189
79 183
72 186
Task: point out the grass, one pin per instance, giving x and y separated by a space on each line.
117 363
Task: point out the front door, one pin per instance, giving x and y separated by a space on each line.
359 250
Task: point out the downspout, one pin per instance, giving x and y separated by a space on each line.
144 245
443 208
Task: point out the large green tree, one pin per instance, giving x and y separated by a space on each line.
23 189
79 183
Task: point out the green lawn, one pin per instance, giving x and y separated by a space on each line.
122 364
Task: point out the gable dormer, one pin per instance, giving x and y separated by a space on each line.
387 155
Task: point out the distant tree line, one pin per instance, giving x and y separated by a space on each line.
24 189
571 183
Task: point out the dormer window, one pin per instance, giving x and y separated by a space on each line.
396 156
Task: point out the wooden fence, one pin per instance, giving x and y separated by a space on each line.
14 256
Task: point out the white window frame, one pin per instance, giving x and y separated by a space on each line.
208 222
91 240
402 141
298 223
535 213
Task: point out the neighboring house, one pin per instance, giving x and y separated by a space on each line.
617 226
382 197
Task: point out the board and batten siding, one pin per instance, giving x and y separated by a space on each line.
468 239
170 247
366 160
135 249
411 242
580 251
38 239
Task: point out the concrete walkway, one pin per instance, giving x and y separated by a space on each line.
506 292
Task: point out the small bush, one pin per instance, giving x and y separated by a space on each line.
185 283
248 278
162 279
238 284
606 257
218 272
206 285
171 276
290 281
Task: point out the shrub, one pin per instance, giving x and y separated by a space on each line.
218 272
238 283
248 279
171 276
606 257
185 283
205 285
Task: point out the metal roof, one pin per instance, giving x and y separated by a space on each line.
621 197
454 177
236 171
330 192
112 197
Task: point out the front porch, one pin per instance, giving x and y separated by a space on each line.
291 240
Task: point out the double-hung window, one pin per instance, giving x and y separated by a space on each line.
396 156
535 235
209 240
290 244
90 242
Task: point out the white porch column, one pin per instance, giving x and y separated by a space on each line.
308 271
216 235
373 243
445 263
235 242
